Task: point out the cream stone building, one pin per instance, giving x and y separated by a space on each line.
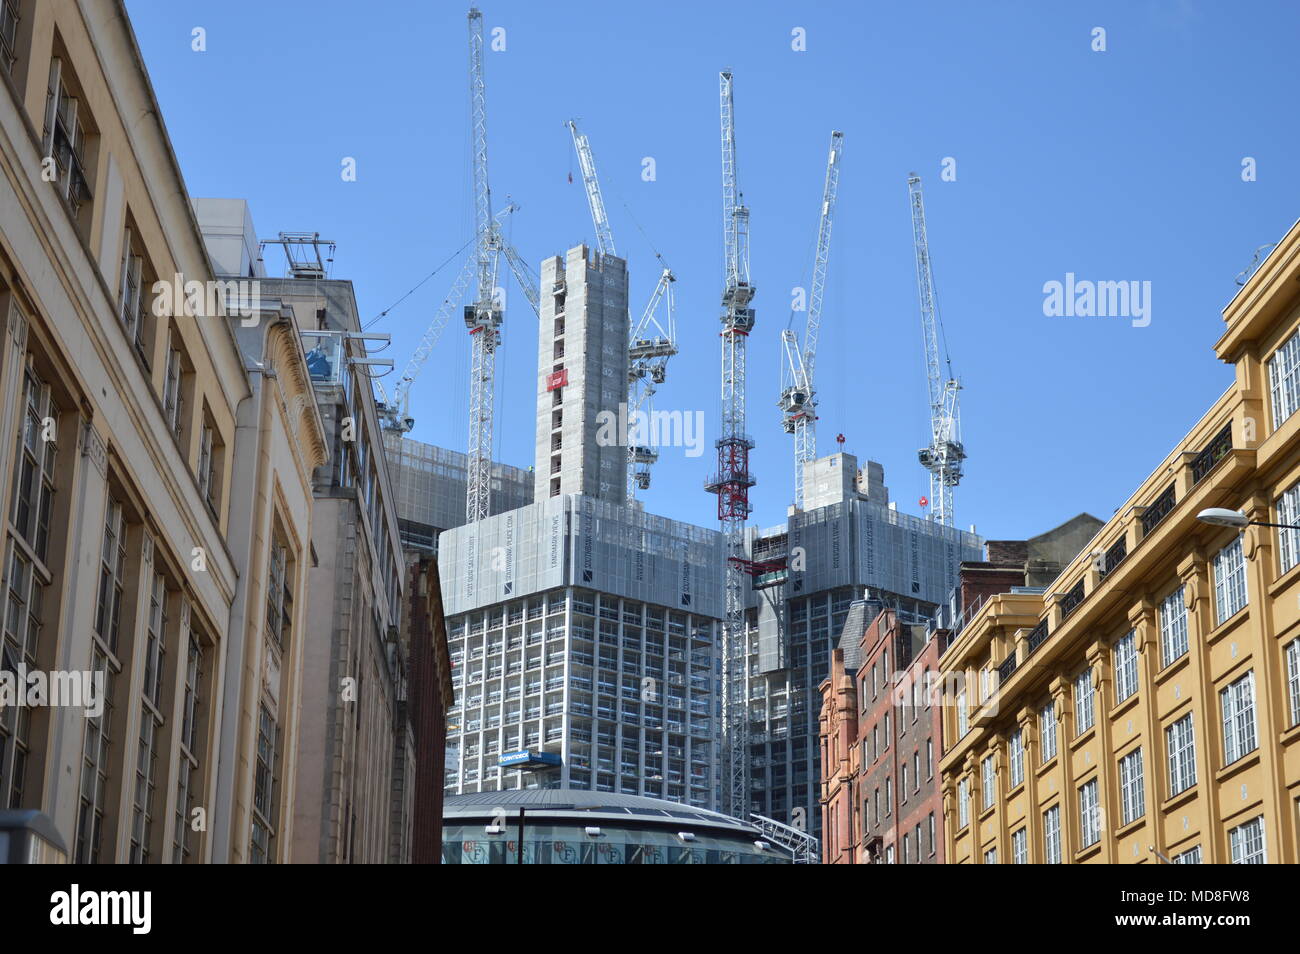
1146 706
156 457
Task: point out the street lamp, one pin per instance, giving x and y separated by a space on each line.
1223 517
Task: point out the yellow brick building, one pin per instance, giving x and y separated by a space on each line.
1146 707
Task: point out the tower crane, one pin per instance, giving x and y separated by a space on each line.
798 402
650 345
483 318
944 456
733 478
651 342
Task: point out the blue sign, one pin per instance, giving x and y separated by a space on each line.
529 759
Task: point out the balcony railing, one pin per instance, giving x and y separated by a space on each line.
1038 635
1071 600
1215 451
1158 510
1007 667
1114 556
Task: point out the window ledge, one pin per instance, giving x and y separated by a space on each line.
1121 707
1243 763
1015 790
1129 827
1084 853
1047 766
1228 625
1083 738
1182 798
1285 580
1290 735
1175 667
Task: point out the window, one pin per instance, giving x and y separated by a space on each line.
930 828
963 714
902 783
888 737
189 743
265 790
207 474
991 856
1229 581
34 469
173 401
916 771
1192 856
1293 678
1173 627
1132 800
108 606
929 756
963 803
1284 380
279 596
988 782
64 139
889 796
1125 661
8 34
889 854
1238 701
1047 730
1182 755
1016 752
1089 814
876 807
132 304
24 595
907 850
1288 540
1246 842
1052 835
1020 847
95 785
1085 701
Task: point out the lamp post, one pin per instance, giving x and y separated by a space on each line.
1223 517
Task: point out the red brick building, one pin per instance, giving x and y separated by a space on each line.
880 736
431 695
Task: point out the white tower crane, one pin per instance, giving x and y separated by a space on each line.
944 457
733 478
798 401
483 318
651 342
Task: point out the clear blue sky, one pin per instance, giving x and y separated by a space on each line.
1122 165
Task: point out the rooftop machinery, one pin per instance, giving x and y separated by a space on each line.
733 478
944 457
651 342
798 402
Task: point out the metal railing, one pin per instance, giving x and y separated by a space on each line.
1215 451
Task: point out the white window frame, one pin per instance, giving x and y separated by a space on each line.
1132 797
1230 591
1237 703
1047 723
1292 654
1192 856
1180 742
963 802
1288 540
1085 702
1020 847
1124 658
988 783
1246 843
1016 756
1284 380
1173 627
1052 835
1089 814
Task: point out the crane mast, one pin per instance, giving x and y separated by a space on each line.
798 401
650 345
587 162
733 479
944 456
483 317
